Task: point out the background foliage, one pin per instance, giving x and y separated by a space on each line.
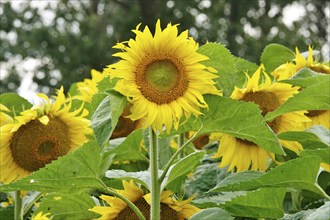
67 38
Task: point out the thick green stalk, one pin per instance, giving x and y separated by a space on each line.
155 186
18 206
180 144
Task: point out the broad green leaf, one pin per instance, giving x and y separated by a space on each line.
14 103
300 173
323 154
217 200
130 148
212 213
262 203
183 167
105 117
78 170
165 151
307 139
142 177
73 205
244 67
315 97
275 55
7 213
104 87
205 178
321 132
306 77
223 61
321 213
237 118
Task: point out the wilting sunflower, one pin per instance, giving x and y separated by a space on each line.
170 208
4 117
286 71
162 76
88 88
40 135
244 154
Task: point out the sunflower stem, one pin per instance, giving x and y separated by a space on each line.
177 153
180 144
155 186
135 209
18 206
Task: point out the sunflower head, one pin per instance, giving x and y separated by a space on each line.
41 216
162 76
125 125
4 117
268 95
88 88
286 71
171 209
39 135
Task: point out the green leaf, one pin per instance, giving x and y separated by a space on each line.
130 148
262 203
211 213
205 178
323 154
183 167
306 77
223 61
321 132
321 213
275 55
240 119
307 139
243 67
300 173
142 177
105 117
14 103
217 200
74 205
7 213
315 97
76 170
165 151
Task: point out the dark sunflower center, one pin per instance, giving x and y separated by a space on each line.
162 80
201 141
314 113
34 145
166 213
267 102
124 127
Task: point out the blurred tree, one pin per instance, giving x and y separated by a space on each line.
66 38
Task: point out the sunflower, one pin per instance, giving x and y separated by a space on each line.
88 88
170 208
39 135
125 125
40 216
286 71
162 76
244 154
4 117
